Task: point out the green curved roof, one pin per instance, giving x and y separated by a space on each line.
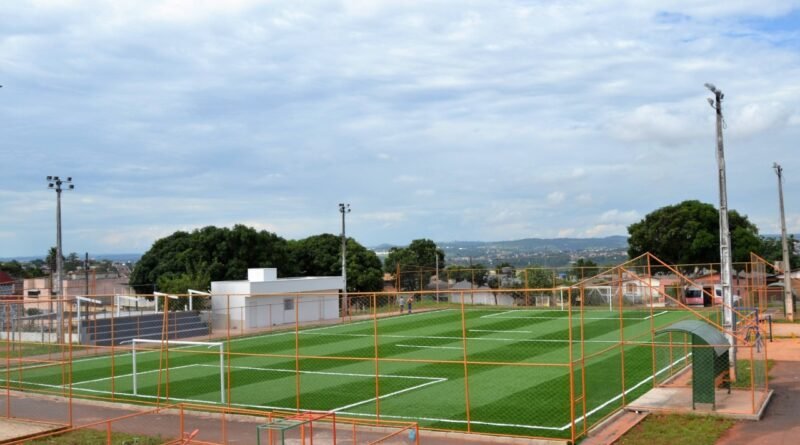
706 332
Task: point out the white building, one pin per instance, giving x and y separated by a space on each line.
480 295
265 300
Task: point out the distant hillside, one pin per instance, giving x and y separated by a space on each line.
544 244
532 244
553 252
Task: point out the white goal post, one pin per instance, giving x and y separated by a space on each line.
220 345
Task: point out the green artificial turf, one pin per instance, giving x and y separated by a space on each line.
517 378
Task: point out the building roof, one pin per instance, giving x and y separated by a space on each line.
707 333
5 277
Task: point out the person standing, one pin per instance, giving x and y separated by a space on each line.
400 303
410 300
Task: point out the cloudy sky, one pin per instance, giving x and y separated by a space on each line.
451 120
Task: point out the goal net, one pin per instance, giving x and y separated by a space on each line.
184 345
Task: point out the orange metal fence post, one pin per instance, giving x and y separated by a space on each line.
8 373
571 373
466 367
583 364
752 381
69 373
376 351
296 354
113 355
334 428
621 338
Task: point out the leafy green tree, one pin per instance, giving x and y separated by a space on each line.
476 274
688 233
72 262
212 252
171 283
321 255
583 268
416 263
539 279
51 259
14 268
772 250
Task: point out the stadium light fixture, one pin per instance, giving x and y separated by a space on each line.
726 268
59 185
787 265
344 209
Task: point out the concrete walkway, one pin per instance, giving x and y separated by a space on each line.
781 422
234 431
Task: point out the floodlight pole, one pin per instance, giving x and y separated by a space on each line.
56 183
344 209
436 255
787 266
726 269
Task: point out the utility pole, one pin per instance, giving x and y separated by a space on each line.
726 270
86 272
344 209
56 183
787 266
436 255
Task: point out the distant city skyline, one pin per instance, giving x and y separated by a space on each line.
491 121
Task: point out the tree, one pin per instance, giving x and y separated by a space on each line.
72 262
539 279
416 263
321 255
583 268
477 274
772 250
212 253
688 233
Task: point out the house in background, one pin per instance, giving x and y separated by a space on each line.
8 285
265 300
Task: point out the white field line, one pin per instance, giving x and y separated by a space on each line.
431 381
384 396
389 416
533 427
661 371
502 339
656 315
346 374
496 314
428 347
255 337
539 317
501 332
340 325
130 375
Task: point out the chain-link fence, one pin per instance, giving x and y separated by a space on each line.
534 361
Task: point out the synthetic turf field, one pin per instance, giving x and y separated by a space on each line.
518 371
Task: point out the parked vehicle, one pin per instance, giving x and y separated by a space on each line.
707 295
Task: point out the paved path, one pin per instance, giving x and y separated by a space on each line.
781 422
237 431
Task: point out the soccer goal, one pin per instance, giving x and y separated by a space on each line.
179 343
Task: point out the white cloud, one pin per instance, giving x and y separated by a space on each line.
500 120
753 119
555 198
618 216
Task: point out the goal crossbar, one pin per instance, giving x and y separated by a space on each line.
219 345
